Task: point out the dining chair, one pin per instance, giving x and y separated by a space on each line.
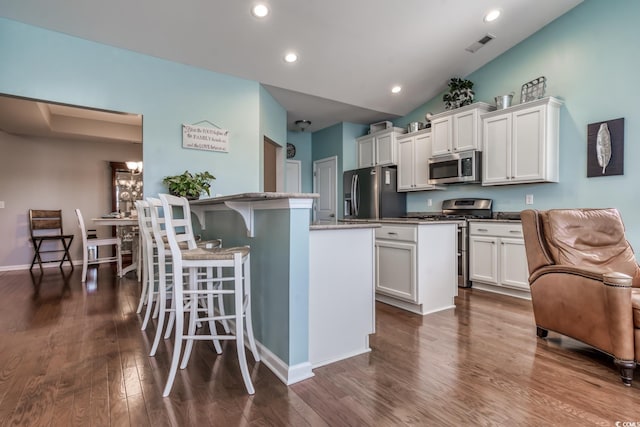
87 243
45 226
203 288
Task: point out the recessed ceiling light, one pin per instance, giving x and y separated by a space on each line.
492 15
260 10
396 89
291 57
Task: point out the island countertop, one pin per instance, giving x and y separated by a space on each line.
253 197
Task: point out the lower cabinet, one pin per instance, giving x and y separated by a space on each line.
396 269
416 266
497 258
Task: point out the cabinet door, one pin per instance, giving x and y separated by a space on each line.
441 133
465 131
385 153
528 156
396 269
514 271
366 154
496 161
421 153
483 259
405 164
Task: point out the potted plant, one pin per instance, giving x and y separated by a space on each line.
189 185
460 93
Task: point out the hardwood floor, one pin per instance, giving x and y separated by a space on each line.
74 355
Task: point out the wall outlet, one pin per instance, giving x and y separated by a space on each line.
1 204
429 202
528 199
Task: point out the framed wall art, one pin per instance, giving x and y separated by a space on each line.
605 148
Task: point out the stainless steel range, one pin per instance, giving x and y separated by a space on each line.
462 209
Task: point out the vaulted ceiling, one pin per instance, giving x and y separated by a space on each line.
350 52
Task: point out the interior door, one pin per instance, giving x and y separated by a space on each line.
293 182
325 183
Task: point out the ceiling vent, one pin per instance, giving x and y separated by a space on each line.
483 41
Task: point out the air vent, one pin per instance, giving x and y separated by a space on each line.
483 41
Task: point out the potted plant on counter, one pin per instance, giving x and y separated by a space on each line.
189 185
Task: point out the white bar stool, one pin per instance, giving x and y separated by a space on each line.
165 275
239 285
148 260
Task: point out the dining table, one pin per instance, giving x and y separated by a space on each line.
135 252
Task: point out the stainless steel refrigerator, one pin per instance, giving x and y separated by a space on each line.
372 193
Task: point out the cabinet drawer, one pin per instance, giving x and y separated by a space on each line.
495 229
397 232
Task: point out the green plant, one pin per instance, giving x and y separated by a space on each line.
189 185
460 93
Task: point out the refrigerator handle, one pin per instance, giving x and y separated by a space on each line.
355 195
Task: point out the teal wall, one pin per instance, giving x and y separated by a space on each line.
589 57
302 142
42 64
279 275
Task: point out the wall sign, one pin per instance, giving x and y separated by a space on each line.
205 138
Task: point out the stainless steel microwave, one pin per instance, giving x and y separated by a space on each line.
463 167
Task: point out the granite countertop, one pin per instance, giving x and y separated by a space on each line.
253 197
340 224
412 221
494 220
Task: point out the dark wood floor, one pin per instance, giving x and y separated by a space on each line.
74 355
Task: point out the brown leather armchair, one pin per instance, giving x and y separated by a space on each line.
585 280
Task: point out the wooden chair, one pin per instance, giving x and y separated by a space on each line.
86 243
46 226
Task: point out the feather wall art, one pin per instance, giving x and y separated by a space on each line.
605 148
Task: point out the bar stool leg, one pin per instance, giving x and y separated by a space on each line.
247 308
179 319
162 305
211 307
225 323
239 315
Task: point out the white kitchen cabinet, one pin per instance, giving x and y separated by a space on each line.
521 143
414 151
497 258
416 266
378 148
396 269
458 130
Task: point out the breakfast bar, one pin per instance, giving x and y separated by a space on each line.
312 285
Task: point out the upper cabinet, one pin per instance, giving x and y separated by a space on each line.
521 143
414 150
378 148
458 130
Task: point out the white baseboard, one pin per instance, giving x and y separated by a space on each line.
21 267
287 374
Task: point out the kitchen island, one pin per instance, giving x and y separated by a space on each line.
307 309
417 263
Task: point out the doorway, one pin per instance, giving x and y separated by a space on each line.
325 183
272 166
